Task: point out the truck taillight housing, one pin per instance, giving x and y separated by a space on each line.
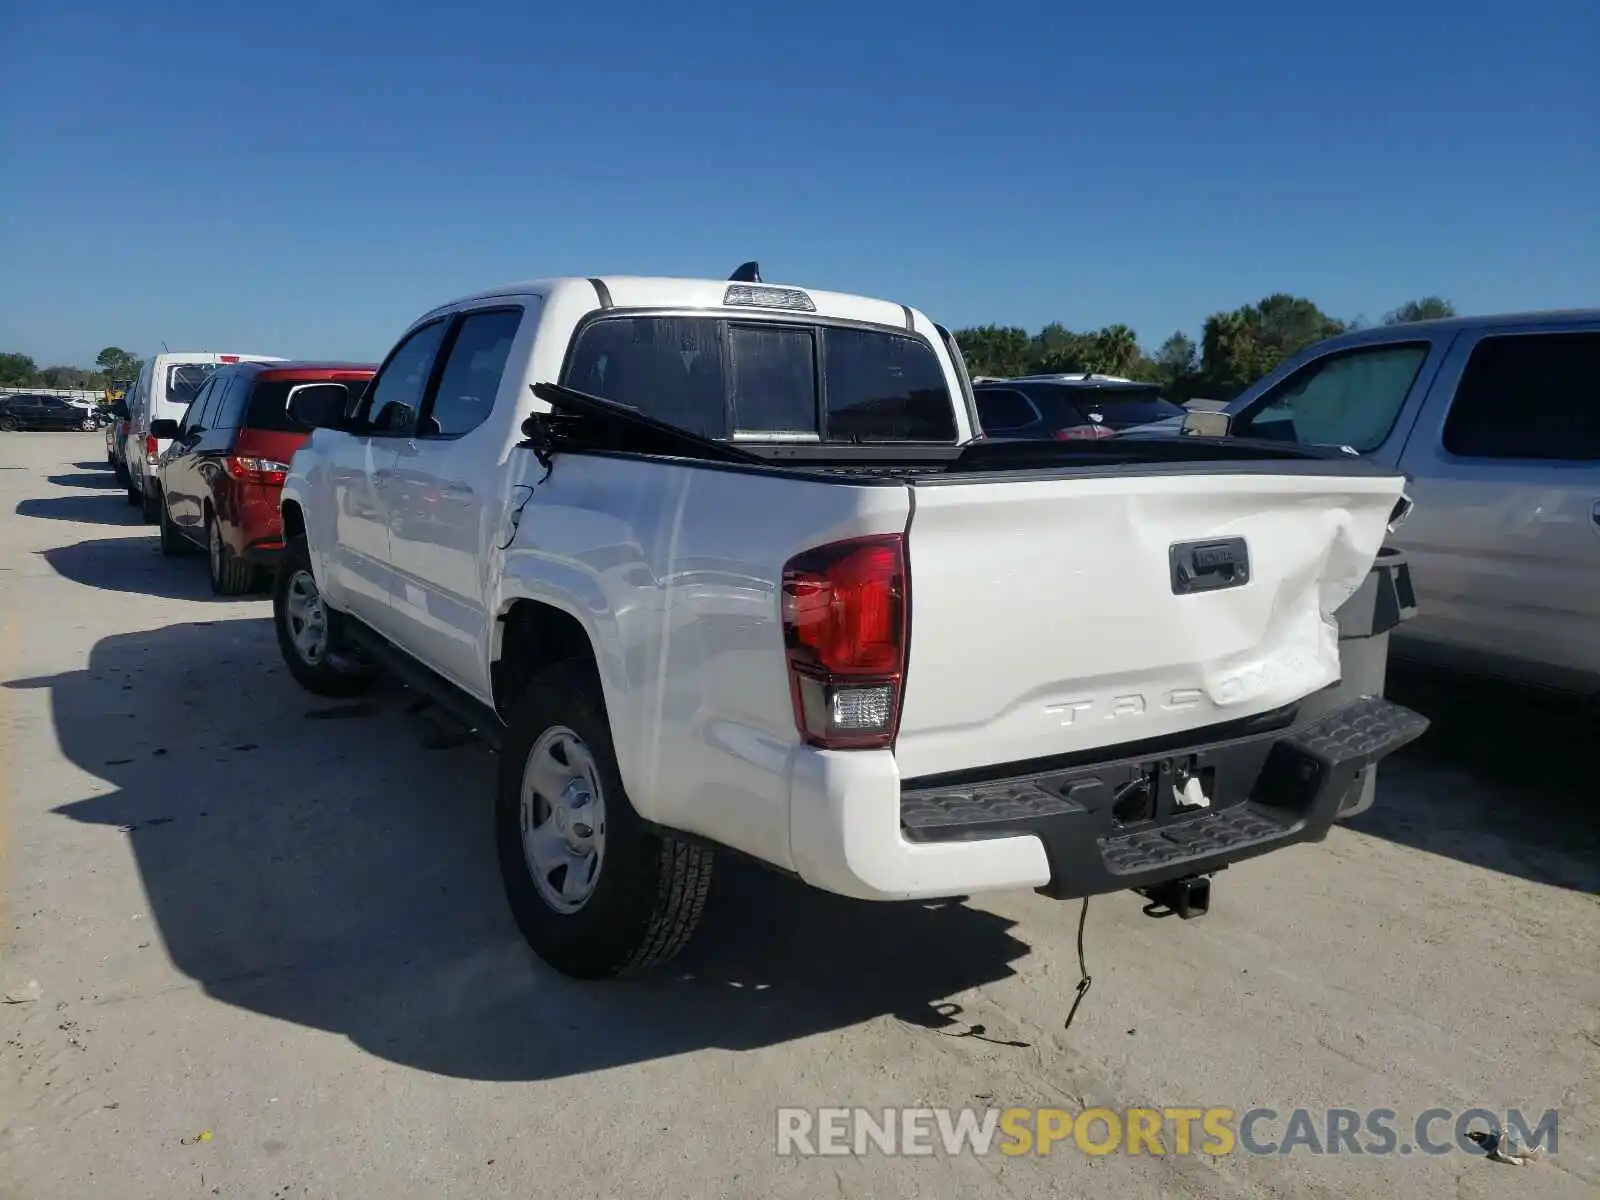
844 630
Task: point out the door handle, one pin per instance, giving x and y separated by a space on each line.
1208 566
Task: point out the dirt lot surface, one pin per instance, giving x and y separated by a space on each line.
254 945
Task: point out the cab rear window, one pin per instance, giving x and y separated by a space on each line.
269 399
185 380
767 380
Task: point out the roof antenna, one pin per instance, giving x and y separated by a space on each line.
749 272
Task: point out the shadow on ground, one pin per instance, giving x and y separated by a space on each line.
1510 781
331 864
133 564
99 480
109 508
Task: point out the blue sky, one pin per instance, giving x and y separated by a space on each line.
305 178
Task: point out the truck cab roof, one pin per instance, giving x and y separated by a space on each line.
642 291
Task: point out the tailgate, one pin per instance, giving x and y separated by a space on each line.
1069 614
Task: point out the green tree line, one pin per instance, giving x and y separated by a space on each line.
1236 348
113 365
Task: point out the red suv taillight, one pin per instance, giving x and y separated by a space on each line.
256 470
845 614
151 447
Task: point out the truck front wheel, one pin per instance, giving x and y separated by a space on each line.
596 892
310 635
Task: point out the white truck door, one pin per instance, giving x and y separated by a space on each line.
446 486
1506 480
362 472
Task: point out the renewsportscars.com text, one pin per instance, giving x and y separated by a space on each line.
1158 1131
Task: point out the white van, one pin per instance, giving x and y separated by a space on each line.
164 388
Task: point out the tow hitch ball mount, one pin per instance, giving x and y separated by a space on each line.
1187 898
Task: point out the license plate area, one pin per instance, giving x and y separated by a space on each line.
1171 788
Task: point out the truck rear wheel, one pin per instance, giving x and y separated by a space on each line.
310 636
596 892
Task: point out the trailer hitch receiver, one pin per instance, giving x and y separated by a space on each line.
1188 898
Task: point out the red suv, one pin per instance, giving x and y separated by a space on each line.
220 480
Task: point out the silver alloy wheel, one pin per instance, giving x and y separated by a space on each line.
308 619
563 819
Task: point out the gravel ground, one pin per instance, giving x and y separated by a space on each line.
235 909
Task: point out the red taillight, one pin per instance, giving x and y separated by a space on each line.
844 629
151 447
227 358
1085 433
255 470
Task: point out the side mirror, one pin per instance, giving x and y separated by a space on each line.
164 429
318 405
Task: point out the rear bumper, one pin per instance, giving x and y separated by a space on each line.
1085 828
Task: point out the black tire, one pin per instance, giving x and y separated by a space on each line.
135 499
9 424
120 471
334 674
88 425
650 889
230 576
173 543
148 501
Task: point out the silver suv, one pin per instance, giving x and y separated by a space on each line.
1496 421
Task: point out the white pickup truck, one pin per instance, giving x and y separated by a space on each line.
722 565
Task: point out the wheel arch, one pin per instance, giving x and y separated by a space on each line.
533 633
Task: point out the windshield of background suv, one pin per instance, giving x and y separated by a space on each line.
1347 398
185 379
768 380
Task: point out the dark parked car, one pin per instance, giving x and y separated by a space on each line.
220 480
35 410
1067 406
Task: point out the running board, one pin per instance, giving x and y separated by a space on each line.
481 720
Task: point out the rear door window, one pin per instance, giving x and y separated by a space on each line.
1001 409
1529 396
472 372
767 380
194 416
